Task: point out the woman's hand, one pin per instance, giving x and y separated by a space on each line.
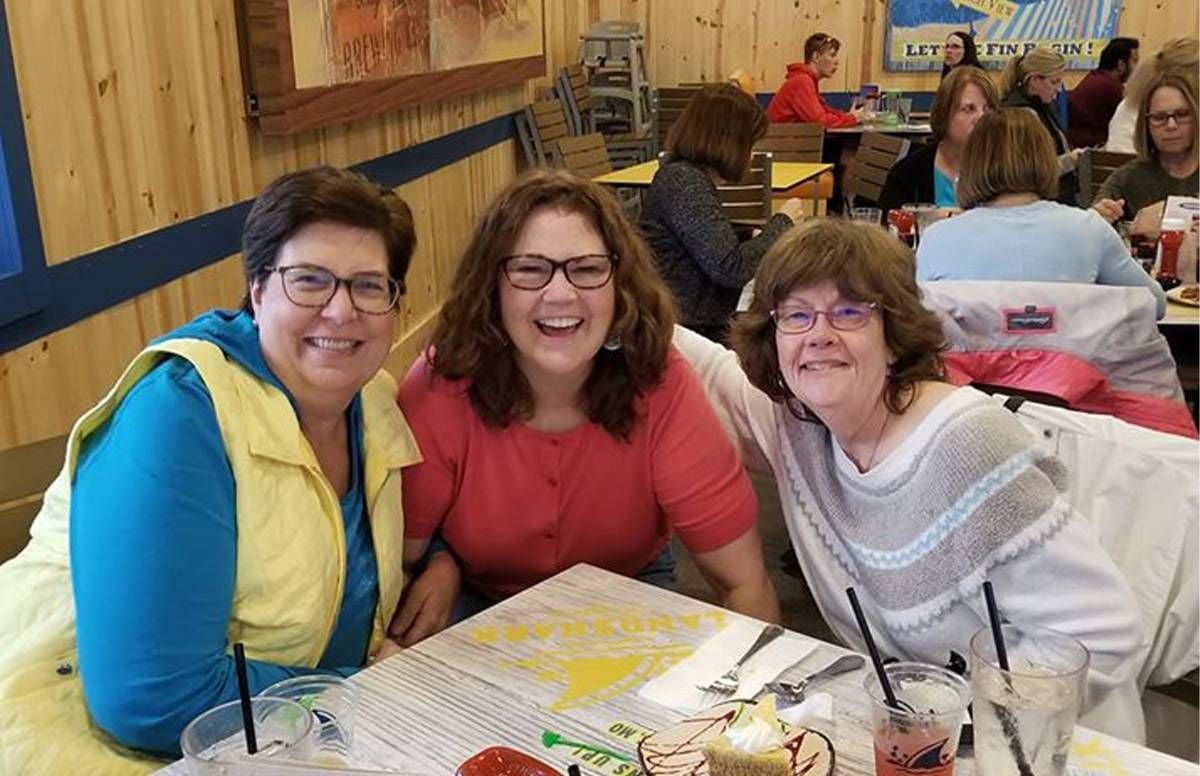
1148 220
386 650
1110 210
428 601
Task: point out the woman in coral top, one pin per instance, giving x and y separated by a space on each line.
799 98
559 425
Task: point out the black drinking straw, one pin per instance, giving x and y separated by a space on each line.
573 770
239 659
872 650
1007 723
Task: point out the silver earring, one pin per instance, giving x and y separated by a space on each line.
613 342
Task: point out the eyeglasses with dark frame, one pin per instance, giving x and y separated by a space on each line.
847 316
532 271
1162 118
372 293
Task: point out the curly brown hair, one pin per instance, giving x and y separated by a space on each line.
469 340
867 265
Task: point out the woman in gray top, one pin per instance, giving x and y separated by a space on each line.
699 253
1168 155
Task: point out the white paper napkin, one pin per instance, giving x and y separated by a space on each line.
815 712
677 687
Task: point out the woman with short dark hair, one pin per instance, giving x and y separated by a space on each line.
900 485
1012 229
699 254
240 483
558 424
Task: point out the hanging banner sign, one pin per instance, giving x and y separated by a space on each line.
917 30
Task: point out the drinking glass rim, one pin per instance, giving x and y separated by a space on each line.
329 680
875 691
304 714
985 633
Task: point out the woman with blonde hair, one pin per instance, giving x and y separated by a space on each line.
558 424
699 254
1011 230
1167 146
1033 80
894 482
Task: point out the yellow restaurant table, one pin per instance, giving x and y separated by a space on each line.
784 175
1179 314
568 656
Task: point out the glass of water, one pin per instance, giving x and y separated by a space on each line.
215 742
333 702
1024 716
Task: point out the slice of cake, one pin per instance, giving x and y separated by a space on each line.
752 745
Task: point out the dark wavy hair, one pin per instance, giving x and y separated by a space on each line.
970 53
867 265
469 340
296 199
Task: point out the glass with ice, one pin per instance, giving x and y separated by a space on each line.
215 742
1024 716
921 737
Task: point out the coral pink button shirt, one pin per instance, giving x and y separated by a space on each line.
519 505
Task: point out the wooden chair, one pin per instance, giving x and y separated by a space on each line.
669 104
540 125
585 155
625 149
25 472
1094 168
799 142
876 155
748 202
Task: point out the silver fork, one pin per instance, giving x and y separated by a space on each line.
727 683
793 692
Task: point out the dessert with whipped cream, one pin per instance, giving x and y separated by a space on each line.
752 745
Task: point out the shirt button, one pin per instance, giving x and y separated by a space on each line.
63 669
549 534
554 443
553 482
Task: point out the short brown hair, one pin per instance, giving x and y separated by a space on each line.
469 340
1185 82
294 200
819 43
868 265
1009 152
717 130
945 101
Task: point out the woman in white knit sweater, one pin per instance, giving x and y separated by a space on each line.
895 482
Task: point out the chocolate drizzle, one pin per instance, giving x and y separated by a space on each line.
679 750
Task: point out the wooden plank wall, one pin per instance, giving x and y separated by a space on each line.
133 114
133 118
705 40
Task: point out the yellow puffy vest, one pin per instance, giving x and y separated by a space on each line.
290 570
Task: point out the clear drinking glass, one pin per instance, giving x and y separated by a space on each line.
333 702
215 742
870 214
921 737
1025 716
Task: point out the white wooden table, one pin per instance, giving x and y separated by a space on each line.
568 656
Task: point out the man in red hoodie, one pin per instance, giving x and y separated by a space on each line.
799 99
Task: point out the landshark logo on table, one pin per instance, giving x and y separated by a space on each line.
599 653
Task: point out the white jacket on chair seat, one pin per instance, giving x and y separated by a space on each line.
1141 488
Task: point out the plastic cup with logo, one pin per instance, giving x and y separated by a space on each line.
333 702
871 215
215 741
1024 716
1170 238
920 738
